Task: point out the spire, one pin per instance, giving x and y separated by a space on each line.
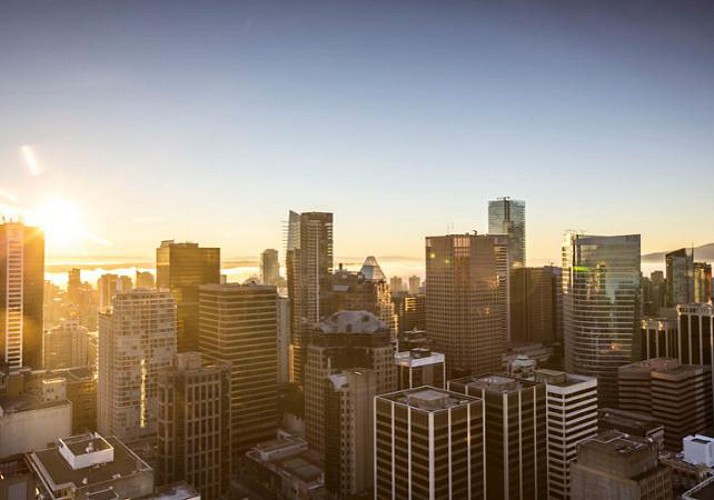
371 270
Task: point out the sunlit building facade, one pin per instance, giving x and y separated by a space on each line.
137 340
181 268
466 297
22 277
239 325
309 261
601 307
507 216
680 277
269 267
429 443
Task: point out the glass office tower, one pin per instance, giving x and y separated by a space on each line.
507 216
601 307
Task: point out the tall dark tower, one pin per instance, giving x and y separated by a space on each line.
466 300
309 262
22 275
181 268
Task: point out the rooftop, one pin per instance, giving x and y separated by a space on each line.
429 398
352 322
25 402
58 473
496 383
616 442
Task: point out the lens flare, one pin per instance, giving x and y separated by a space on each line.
31 160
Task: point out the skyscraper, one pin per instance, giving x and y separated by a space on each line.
536 306
678 396
22 277
144 279
366 290
466 300
507 216
309 262
601 307
349 427
239 324
181 268
516 430
429 443
695 336
571 405
269 267
702 282
66 345
107 287
414 284
194 436
680 274
659 338
137 340
346 340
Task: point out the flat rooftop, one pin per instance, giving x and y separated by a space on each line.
702 491
615 442
429 398
58 473
496 383
26 402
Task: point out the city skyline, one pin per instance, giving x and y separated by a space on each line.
282 107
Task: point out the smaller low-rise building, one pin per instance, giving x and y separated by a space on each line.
285 468
89 466
27 423
617 465
420 366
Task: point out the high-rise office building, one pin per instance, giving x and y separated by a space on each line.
396 284
22 277
181 268
283 340
680 274
366 290
74 286
695 334
346 340
414 284
429 443
659 338
137 340
702 278
516 434
410 310
144 279
309 261
618 465
536 305
269 267
239 324
349 427
466 298
678 396
107 288
601 307
571 403
507 216
194 432
66 345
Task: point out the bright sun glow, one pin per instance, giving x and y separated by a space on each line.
62 223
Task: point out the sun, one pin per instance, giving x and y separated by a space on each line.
61 221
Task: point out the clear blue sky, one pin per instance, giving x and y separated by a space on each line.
207 121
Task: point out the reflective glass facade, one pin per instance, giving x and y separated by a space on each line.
601 306
506 216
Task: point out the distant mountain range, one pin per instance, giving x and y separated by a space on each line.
701 253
